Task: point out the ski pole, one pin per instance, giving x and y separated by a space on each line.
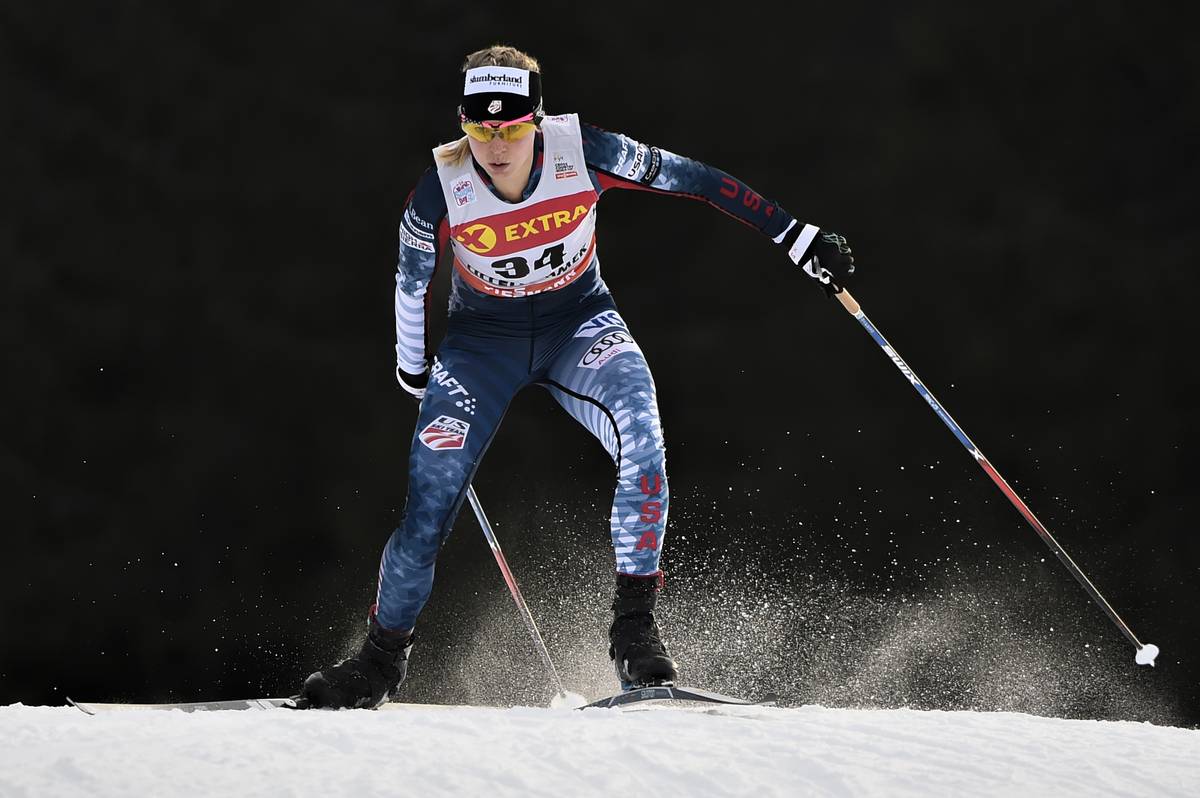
526 615
1147 652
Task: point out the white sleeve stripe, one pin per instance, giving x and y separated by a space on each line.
806 237
410 329
411 315
411 342
779 238
408 317
411 353
411 366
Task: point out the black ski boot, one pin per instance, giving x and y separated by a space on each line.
635 648
367 679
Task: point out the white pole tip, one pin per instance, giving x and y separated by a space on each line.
567 700
1146 655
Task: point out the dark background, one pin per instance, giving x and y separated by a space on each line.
203 448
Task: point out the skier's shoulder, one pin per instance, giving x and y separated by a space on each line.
423 212
561 127
596 136
427 196
428 184
619 155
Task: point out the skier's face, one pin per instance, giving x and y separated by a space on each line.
505 161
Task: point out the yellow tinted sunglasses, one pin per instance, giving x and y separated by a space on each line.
506 131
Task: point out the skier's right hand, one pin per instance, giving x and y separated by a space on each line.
414 384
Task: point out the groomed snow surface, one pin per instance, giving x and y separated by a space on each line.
681 751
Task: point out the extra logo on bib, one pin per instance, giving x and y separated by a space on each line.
529 250
445 432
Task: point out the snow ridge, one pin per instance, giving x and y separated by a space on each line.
52 751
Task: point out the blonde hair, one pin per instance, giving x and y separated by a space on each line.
455 152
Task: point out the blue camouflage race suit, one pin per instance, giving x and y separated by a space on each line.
521 315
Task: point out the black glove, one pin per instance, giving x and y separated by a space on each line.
414 384
824 255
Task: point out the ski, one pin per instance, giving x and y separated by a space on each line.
221 706
669 692
635 695
191 706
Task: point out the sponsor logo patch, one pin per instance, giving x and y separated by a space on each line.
651 511
545 223
525 227
410 240
463 191
419 225
623 154
445 432
639 157
608 347
494 106
441 375
477 238
601 321
652 169
563 168
497 78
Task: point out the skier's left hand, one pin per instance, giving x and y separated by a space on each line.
414 384
822 254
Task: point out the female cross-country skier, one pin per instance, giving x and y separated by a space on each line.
515 201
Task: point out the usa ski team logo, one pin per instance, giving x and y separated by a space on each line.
601 321
464 191
445 432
